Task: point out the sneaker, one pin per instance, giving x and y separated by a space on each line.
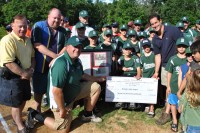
92 118
119 105
24 130
132 106
31 121
151 114
146 109
164 118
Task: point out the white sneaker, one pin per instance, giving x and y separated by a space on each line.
92 118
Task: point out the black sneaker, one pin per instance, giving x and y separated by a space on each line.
31 121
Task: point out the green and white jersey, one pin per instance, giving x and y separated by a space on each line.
189 34
65 75
131 64
135 46
173 66
90 47
120 44
111 47
147 65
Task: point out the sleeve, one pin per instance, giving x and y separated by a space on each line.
8 50
137 62
169 66
156 49
36 35
177 33
59 73
141 62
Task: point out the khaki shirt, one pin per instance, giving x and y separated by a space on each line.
11 46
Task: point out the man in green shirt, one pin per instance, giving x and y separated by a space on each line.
67 83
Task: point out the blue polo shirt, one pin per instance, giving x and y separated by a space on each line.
167 45
54 41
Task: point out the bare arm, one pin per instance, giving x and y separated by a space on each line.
179 78
157 65
169 75
44 50
59 99
138 76
12 66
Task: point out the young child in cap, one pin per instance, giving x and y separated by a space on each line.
172 68
147 61
80 28
130 66
104 28
132 39
92 37
142 35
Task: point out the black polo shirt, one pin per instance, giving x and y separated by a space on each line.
167 45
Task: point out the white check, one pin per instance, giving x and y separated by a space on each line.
128 89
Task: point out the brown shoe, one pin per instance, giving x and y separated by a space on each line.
24 130
164 118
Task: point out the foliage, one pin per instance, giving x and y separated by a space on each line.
2 32
121 11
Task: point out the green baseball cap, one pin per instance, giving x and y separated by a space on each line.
127 45
142 34
182 41
68 30
180 25
92 33
188 51
74 41
124 27
151 29
107 32
198 21
106 26
185 19
83 13
79 25
132 32
138 21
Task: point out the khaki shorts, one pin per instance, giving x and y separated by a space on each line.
163 76
88 89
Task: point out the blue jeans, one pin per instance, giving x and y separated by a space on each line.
193 129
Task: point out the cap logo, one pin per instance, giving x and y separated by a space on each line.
128 44
131 31
77 40
137 20
123 26
144 41
182 39
94 32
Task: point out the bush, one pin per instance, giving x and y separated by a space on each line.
2 32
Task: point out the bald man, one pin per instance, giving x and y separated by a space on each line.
48 39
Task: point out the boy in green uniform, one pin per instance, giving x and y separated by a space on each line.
130 66
122 38
132 39
173 67
80 27
147 61
138 25
92 37
198 27
142 35
104 28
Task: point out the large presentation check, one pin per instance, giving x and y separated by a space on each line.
128 89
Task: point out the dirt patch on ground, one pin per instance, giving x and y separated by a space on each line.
118 123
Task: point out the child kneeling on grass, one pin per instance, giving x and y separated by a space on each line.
147 61
173 67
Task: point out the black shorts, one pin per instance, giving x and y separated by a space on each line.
14 92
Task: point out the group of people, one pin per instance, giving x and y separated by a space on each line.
50 58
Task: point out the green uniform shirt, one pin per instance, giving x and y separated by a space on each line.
147 65
198 32
135 46
120 44
173 66
65 75
89 47
190 34
132 64
111 47
190 115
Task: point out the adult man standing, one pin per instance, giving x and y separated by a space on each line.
68 83
83 18
48 39
164 44
17 65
